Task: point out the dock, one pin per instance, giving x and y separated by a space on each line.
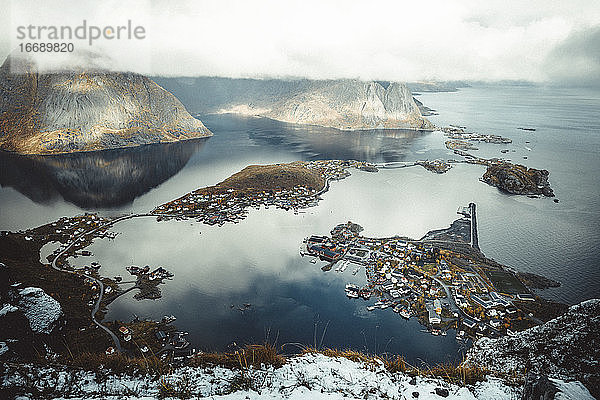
474 237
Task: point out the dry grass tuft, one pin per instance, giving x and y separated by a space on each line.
254 355
351 355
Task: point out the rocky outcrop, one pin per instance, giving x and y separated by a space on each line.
41 310
567 347
63 112
518 179
425 111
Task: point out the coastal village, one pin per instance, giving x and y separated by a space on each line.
221 203
441 279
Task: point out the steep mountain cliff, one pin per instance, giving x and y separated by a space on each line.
345 105
42 113
352 105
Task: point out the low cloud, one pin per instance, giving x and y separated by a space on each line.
576 60
381 39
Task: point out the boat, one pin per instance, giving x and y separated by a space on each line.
404 313
352 294
435 332
303 249
371 308
313 261
352 287
344 265
365 293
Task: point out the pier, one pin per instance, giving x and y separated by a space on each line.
474 237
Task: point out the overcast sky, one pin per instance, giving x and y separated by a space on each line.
388 40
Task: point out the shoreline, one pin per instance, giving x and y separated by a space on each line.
279 196
443 279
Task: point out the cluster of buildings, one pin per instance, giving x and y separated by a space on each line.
158 274
218 205
437 166
459 133
71 227
415 278
230 205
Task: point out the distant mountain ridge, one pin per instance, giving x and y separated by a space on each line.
352 105
345 104
45 113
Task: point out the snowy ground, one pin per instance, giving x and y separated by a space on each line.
41 310
311 376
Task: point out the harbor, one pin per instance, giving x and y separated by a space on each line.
443 279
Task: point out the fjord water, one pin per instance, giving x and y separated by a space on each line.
561 240
257 260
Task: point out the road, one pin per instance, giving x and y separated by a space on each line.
114 337
453 305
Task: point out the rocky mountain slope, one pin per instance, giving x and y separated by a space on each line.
351 105
343 104
43 113
567 347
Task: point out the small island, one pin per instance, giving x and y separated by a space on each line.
518 179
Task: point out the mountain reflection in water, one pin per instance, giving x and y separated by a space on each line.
113 179
99 179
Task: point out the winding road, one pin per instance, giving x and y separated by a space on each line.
114 337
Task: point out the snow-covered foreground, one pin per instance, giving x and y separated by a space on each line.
312 376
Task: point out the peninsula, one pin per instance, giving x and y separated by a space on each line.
442 279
